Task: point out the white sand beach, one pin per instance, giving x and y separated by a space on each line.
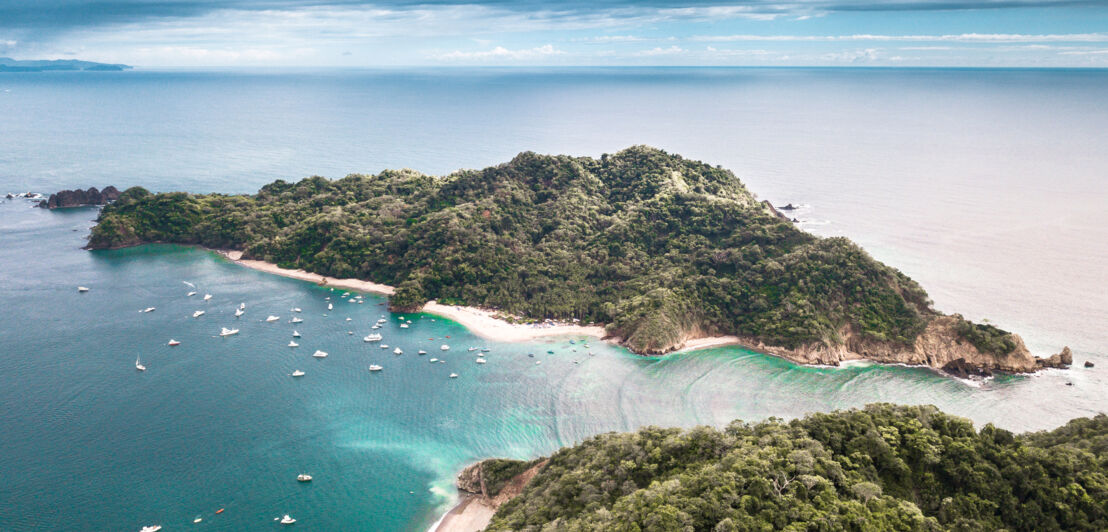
481 322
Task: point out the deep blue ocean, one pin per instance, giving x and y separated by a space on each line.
987 186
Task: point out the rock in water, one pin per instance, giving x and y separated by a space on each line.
964 370
78 198
1088 363
1061 360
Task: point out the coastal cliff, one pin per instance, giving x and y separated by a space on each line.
659 248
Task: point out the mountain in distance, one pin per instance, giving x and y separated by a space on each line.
8 64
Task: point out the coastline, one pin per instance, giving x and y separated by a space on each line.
471 514
487 324
479 321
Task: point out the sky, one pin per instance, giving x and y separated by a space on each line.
396 33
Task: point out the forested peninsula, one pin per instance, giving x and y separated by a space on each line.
884 467
659 248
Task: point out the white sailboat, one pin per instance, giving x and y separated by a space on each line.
297 320
138 365
149 309
190 294
207 297
273 318
397 351
372 338
228 332
295 334
82 289
239 312
320 354
297 373
287 520
480 360
173 342
330 306
375 367
292 343
198 313
453 375
445 347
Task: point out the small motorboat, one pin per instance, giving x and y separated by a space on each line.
198 519
228 332
422 352
372 338
445 347
453 375
242 306
151 528
292 343
376 327
382 320
296 334
398 351
481 360
297 373
138 365
433 360
287 520
472 349
403 325
320 354
302 477
198 313
375 367
82 289
173 342
273 318
190 294
349 319
296 309
207 297
149 309
330 306
239 312
297 320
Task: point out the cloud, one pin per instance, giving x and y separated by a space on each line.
499 54
963 37
672 50
1084 52
611 39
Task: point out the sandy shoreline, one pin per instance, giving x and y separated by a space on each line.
470 515
482 322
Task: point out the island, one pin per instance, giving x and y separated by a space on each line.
80 198
659 249
884 467
8 64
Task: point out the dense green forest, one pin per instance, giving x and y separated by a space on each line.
884 467
654 245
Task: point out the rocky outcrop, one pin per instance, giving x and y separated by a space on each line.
1062 360
1089 364
939 346
773 210
80 198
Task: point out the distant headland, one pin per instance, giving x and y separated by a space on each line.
667 252
8 64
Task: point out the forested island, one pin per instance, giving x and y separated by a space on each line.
659 248
884 467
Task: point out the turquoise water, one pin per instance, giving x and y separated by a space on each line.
937 172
